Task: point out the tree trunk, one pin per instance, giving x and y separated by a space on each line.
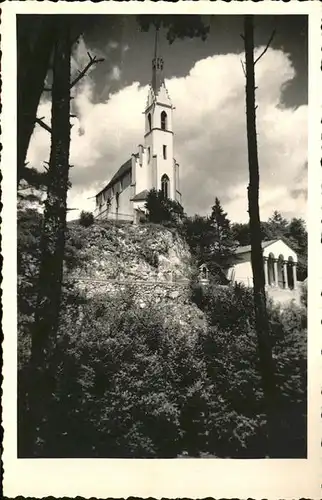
261 318
36 37
43 365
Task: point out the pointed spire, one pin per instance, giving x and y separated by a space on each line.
157 65
156 42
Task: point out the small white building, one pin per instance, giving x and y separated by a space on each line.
153 166
280 263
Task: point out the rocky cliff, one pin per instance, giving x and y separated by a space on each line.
149 261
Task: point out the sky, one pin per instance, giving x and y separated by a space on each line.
206 84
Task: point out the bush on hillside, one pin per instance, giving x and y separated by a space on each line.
128 385
231 350
86 219
163 210
304 293
132 383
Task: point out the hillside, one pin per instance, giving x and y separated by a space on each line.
149 261
140 370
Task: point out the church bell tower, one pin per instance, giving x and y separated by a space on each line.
162 167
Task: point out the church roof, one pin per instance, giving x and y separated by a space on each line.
142 196
247 248
126 167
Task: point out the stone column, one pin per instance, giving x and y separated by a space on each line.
285 274
275 273
294 275
265 271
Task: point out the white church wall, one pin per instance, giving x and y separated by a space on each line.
165 166
154 172
119 206
125 205
142 180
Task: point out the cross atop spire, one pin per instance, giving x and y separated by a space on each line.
157 65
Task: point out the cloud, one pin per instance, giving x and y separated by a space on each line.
210 137
113 45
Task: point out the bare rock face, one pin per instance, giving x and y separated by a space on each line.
149 261
147 253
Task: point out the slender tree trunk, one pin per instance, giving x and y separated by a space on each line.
36 39
43 364
261 318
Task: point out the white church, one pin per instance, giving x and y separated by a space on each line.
152 167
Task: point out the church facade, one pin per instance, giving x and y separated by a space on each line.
153 166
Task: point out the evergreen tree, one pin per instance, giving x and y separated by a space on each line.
276 225
296 234
241 233
223 245
211 240
43 347
163 210
196 231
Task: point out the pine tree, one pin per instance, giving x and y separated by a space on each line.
277 225
296 235
196 231
223 245
267 367
36 37
43 348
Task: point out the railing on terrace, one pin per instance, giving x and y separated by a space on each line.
171 281
117 216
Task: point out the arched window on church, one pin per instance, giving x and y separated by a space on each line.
164 120
165 185
150 122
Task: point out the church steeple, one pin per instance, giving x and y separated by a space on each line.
157 65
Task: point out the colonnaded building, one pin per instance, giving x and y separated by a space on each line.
152 167
280 270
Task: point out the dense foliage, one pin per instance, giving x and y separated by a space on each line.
176 27
131 383
161 209
86 219
233 344
211 240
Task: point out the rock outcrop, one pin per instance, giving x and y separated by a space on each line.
151 262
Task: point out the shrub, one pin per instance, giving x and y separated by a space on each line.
304 293
230 347
161 209
128 384
86 219
132 383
